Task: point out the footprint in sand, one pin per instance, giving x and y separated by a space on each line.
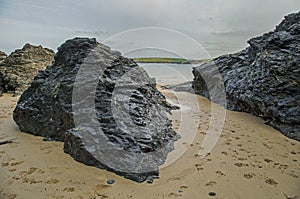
220 173
210 183
198 167
268 160
174 195
239 164
245 150
31 181
99 189
12 196
47 149
69 189
52 168
249 175
196 155
16 163
52 181
267 146
271 182
293 175
5 164
284 166
223 163
203 133
32 170
102 186
183 187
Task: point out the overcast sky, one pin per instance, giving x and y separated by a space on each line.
220 26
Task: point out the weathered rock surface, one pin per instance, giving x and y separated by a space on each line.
103 106
3 55
19 68
263 79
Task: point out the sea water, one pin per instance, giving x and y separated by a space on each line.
165 73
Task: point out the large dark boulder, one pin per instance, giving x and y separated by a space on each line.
19 68
263 79
103 106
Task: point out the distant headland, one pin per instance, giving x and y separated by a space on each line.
168 60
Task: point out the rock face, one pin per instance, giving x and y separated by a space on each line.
263 79
3 55
103 106
19 68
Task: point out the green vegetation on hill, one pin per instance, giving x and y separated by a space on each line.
161 60
167 60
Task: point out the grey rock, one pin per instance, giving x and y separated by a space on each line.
212 193
263 79
104 107
111 181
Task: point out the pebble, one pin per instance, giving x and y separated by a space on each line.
212 193
47 139
111 181
150 181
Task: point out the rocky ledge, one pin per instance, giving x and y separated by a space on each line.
19 68
263 79
103 106
3 56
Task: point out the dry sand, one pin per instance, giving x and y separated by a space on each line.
250 160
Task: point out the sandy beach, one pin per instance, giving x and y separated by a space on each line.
250 160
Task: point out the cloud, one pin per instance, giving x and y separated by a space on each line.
204 20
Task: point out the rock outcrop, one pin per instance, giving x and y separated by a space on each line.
19 68
263 79
3 56
103 106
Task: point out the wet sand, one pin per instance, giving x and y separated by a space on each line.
250 160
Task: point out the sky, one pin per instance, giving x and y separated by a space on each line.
217 26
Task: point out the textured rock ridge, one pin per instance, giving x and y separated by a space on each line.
3 55
263 79
125 130
19 68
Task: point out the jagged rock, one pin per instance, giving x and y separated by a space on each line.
3 55
263 79
19 68
103 106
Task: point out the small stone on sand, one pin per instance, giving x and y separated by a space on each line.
111 181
